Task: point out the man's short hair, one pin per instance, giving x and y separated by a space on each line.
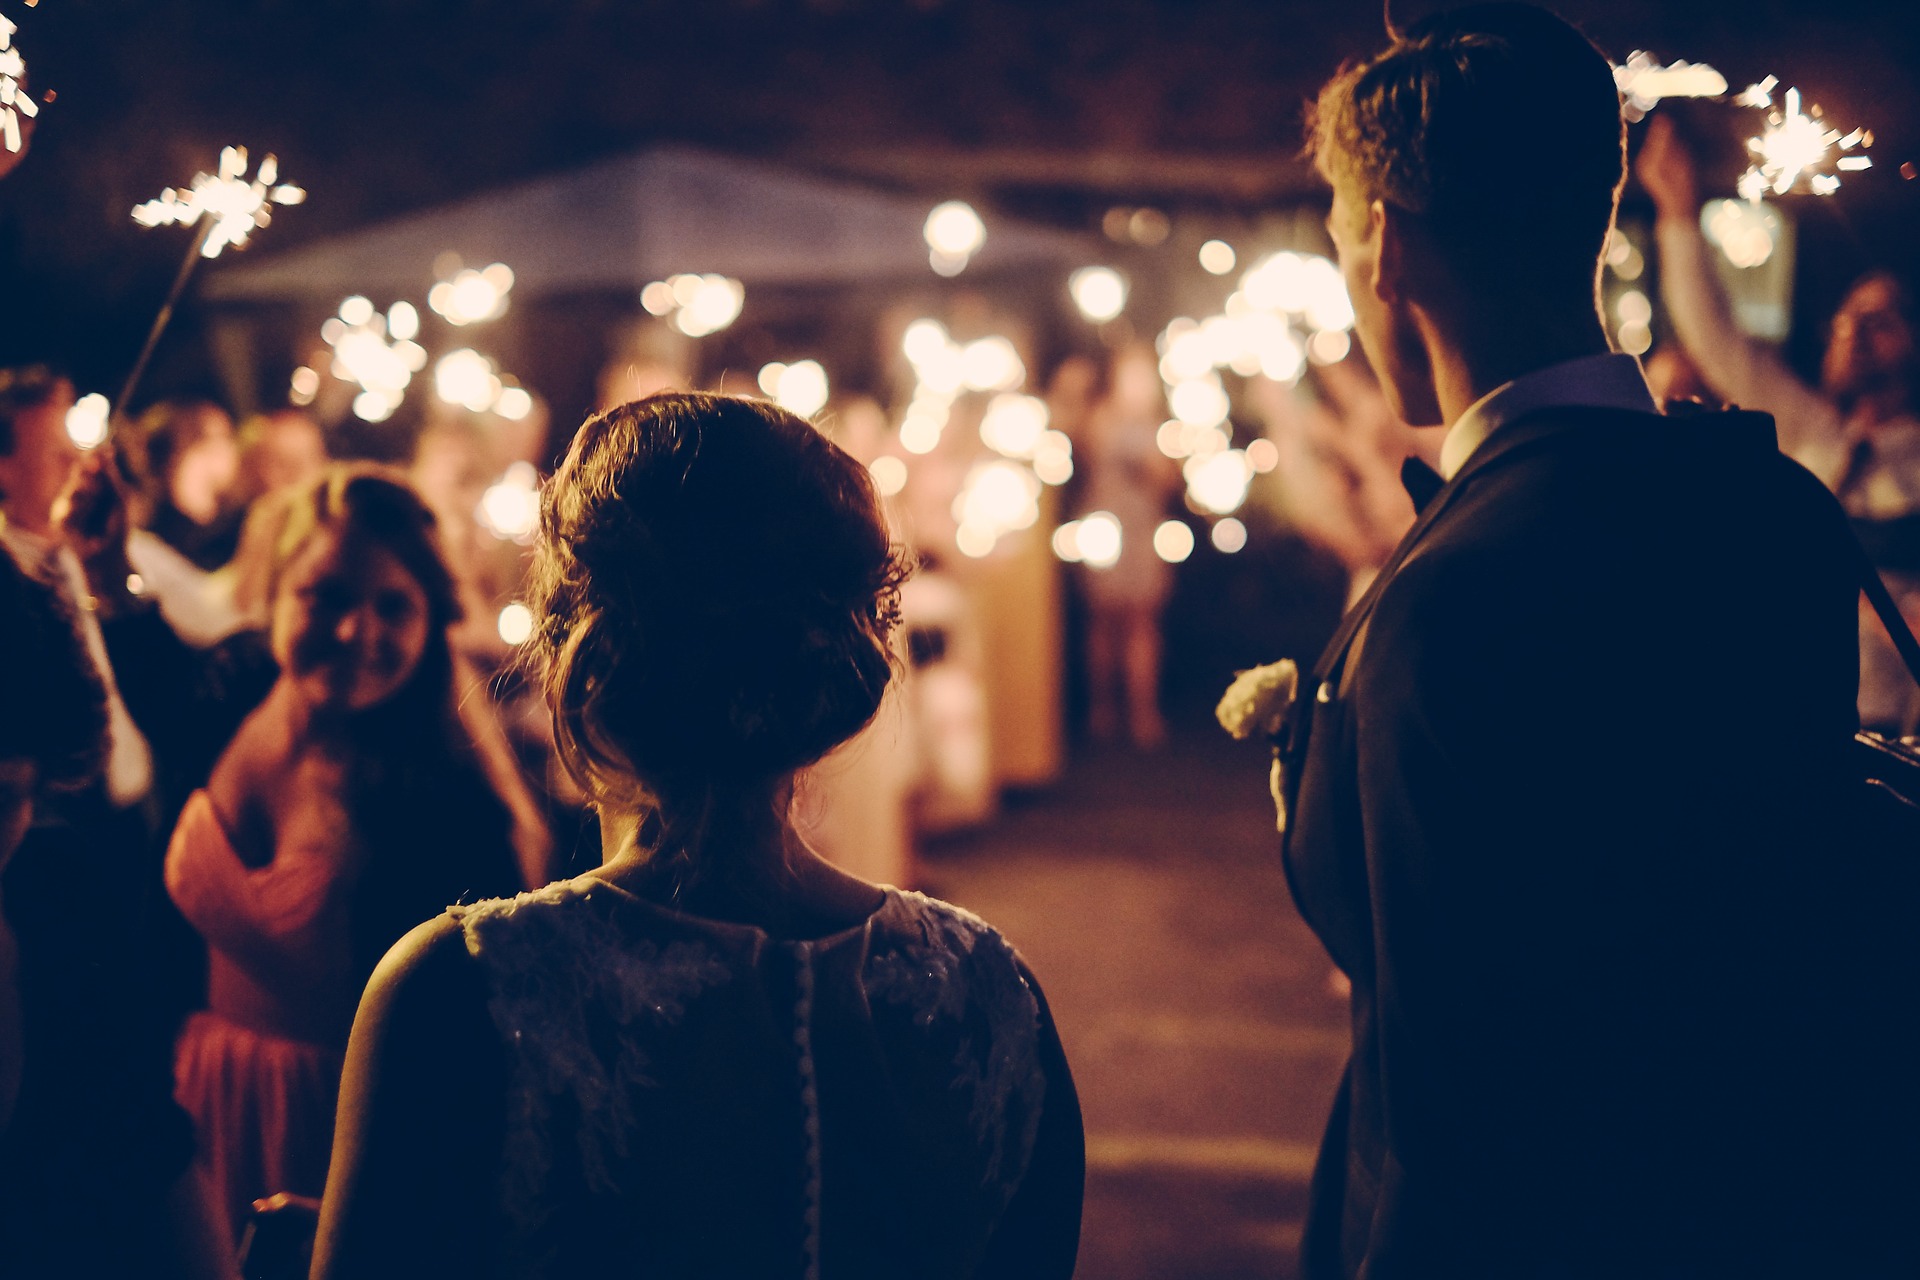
1499 125
28 387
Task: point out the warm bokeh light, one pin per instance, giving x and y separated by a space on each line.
1013 424
87 421
510 508
1263 455
304 385
1099 292
1218 482
1173 541
514 404
516 623
1217 257
466 378
954 233
469 296
889 474
1229 536
1096 540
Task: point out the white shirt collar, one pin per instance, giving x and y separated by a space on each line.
1610 381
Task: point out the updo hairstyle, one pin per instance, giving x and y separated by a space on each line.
715 590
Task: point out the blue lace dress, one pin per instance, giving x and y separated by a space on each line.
696 1098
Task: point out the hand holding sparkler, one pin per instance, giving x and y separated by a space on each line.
1666 169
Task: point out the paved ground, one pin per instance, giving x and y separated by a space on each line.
1196 1009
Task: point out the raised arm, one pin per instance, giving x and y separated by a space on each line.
1739 369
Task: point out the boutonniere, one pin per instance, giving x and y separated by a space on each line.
1257 703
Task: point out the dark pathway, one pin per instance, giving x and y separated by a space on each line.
1196 1008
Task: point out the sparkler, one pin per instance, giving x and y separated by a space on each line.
1644 83
228 207
1797 145
15 103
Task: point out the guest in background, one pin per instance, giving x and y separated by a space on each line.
1129 478
716 1054
89 1134
367 792
1859 430
280 450
192 462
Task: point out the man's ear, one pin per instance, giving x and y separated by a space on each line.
1387 230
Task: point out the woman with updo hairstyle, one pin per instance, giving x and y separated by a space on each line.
716 1054
369 790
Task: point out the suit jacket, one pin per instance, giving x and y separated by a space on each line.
1587 1018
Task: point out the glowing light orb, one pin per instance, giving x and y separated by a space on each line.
1744 232
889 474
510 508
710 305
1217 257
1200 402
1218 482
991 364
1263 455
799 388
470 297
516 623
1173 541
1329 346
954 230
304 385
1053 458
87 421
1099 292
466 378
1013 424
1066 542
924 341
1644 83
403 321
1097 539
1229 536
514 404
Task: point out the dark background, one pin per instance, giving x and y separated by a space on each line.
1052 111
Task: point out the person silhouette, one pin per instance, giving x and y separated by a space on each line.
1592 981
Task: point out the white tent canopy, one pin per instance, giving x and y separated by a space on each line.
624 222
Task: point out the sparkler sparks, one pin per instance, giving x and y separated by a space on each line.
1797 145
1644 83
15 103
231 204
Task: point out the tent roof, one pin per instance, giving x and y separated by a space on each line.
624 222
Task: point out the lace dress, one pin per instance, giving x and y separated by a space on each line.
690 1097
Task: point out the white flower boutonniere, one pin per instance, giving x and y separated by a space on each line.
1258 700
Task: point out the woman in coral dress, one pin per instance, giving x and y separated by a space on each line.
362 797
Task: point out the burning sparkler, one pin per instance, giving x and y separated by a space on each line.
228 207
15 103
1644 83
1797 145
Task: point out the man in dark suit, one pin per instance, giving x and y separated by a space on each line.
1593 1024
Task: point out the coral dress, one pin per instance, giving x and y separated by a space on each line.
259 1068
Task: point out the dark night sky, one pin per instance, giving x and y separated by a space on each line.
1051 110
